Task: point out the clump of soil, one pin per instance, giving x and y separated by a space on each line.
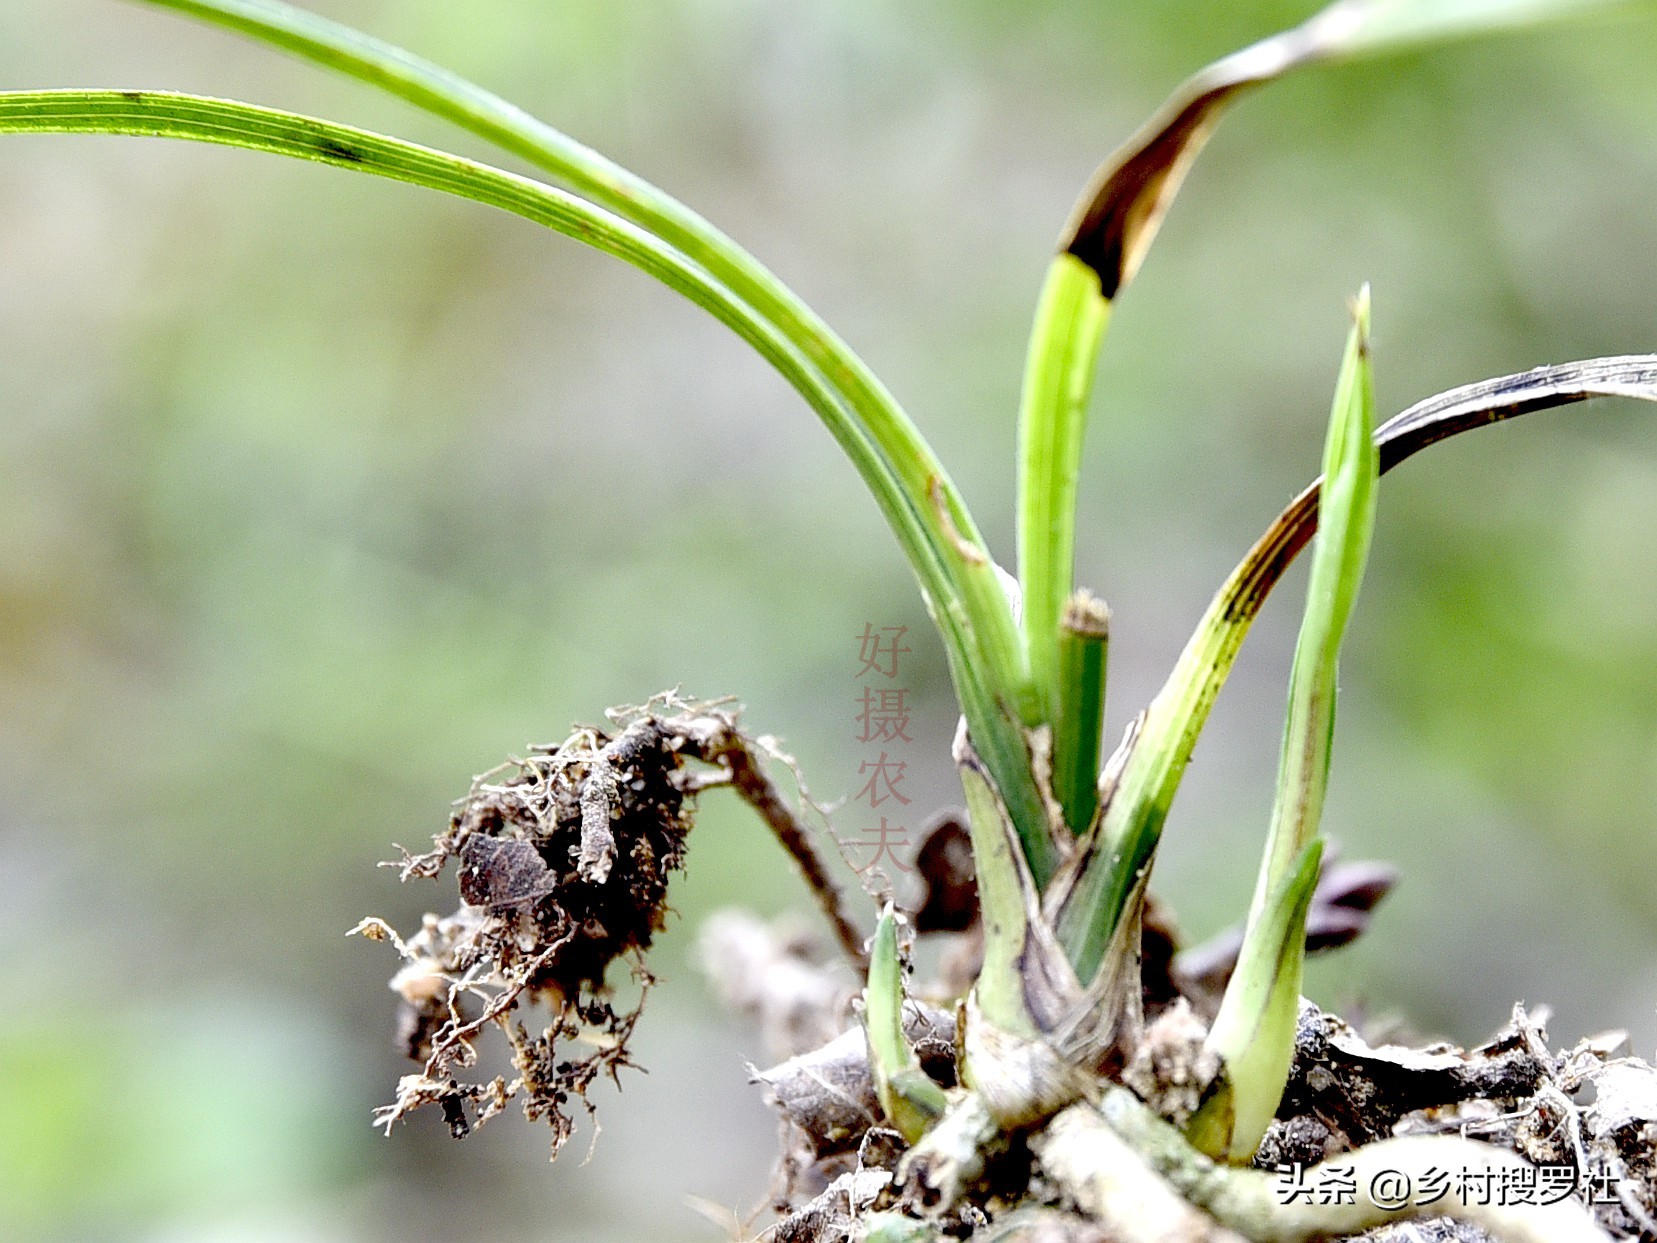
1586 1116
562 864
563 860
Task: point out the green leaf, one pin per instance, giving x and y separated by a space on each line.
1351 472
1084 643
1091 889
938 534
1254 1033
1058 375
224 122
624 194
1117 217
911 1100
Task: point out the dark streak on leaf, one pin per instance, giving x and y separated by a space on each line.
337 152
1135 187
1424 424
1123 206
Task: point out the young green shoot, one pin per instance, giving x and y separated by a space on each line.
1254 1031
1346 503
911 1101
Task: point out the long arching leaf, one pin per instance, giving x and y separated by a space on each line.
229 123
915 519
984 645
578 167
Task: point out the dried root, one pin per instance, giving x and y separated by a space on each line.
562 860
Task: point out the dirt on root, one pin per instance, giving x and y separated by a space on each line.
562 863
1584 1117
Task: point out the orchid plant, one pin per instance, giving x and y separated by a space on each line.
1063 838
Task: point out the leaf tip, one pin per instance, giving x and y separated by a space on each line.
1359 307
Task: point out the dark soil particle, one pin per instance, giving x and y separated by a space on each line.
563 861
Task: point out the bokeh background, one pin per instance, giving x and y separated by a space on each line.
319 494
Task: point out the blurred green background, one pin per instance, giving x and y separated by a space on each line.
319 494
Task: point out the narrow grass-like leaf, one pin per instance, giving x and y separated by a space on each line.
229 123
1058 375
1386 25
1109 232
911 1100
1084 645
1118 216
1096 879
1254 1031
1351 471
448 95
929 525
987 653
